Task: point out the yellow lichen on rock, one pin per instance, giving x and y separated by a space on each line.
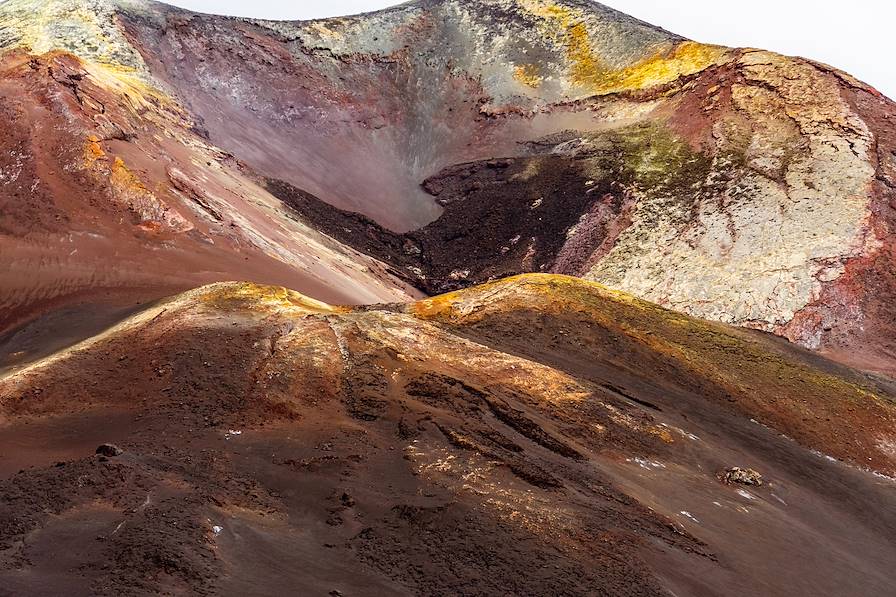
93 151
132 84
127 189
235 296
550 292
529 75
125 180
90 32
130 190
565 26
684 59
588 69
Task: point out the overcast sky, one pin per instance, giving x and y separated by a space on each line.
856 36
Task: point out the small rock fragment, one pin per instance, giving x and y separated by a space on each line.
742 476
109 450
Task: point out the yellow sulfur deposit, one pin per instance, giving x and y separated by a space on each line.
684 59
567 26
258 297
529 75
93 151
88 31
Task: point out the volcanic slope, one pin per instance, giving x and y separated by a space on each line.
538 435
109 197
140 142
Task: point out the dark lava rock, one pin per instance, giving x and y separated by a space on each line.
109 450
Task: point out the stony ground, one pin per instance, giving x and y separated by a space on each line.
541 435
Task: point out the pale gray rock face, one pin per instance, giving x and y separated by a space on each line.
756 248
753 191
487 39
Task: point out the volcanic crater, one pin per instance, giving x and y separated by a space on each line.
536 298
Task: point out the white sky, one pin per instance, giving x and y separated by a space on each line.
856 36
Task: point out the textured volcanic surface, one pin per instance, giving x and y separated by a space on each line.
731 184
540 435
736 185
552 433
109 198
150 215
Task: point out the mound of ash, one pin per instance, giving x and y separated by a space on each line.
477 138
438 447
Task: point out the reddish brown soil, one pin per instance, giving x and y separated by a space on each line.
317 498
70 241
564 446
247 471
803 486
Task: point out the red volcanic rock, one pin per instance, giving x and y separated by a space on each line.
98 217
736 185
540 434
535 434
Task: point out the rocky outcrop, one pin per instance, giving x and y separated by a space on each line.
533 434
736 185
